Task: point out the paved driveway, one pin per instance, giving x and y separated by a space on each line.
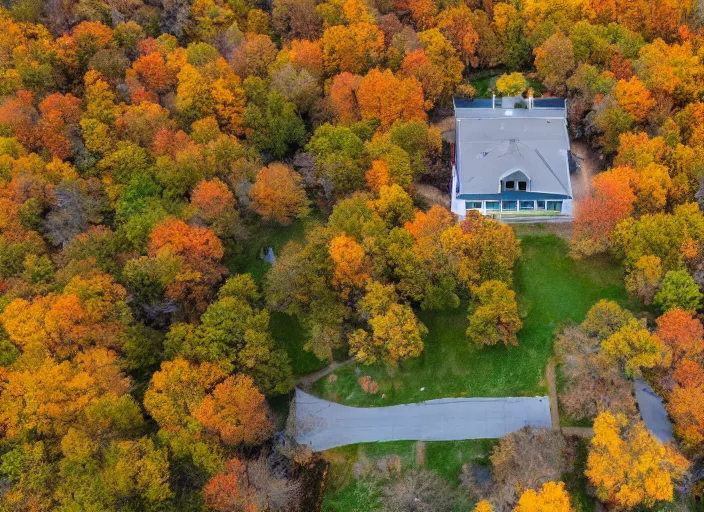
653 411
322 424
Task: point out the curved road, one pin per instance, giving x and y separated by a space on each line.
323 425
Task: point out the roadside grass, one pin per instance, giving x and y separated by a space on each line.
552 290
347 492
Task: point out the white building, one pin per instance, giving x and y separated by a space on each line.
511 158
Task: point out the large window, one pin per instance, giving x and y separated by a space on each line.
473 205
554 206
492 206
510 185
509 206
522 185
527 205
541 205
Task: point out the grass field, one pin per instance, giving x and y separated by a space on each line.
552 290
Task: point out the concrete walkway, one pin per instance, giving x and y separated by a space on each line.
323 425
653 411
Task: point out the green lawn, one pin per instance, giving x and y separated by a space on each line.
345 493
484 83
263 236
552 289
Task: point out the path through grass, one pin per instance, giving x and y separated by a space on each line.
552 290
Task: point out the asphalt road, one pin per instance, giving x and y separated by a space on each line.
323 425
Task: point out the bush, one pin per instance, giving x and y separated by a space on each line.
512 84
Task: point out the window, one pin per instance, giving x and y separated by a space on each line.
527 205
510 185
492 206
473 205
522 185
509 206
541 205
554 206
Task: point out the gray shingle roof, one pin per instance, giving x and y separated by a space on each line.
493 143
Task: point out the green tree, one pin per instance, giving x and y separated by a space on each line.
678 290
494 316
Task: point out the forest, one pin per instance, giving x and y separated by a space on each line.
152 152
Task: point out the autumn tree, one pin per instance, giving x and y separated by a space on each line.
216 207
201 251
354 48
635 347
554 60
682 333
685 404
234 332
236 411
525 459
645 278
50 398
456 24
419 490
349 264
483 506
552 497
385 97
277 195
596 216
595 382
60 115
254 485
494 316
90 312
628 466
418 65
634 98
253 56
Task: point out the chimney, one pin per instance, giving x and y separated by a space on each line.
493 100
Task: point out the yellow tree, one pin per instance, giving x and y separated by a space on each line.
483 506
635 347
628 466
552 497
495 317
396 334
353 49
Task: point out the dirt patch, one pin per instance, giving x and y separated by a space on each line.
590 162
432 195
